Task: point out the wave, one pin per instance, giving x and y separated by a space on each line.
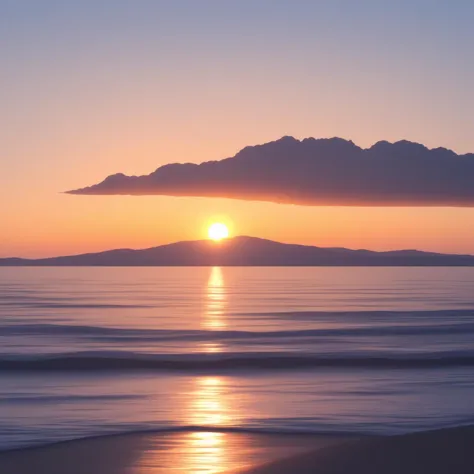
126 361
157 335
327 431
367 315
69 398
52 305
264 431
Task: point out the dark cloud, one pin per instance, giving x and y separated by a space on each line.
332 172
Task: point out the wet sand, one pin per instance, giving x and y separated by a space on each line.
177 453
448 451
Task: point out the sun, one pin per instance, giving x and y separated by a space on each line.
218 231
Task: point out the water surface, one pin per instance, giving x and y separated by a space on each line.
88 351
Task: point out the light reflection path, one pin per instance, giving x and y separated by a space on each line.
216 301
207 452
204 452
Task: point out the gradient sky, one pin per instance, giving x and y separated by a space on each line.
89 88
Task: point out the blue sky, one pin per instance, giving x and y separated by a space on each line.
89 88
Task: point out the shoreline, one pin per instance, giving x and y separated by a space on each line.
433 452
201 451
183 430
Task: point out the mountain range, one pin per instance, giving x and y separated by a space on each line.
247 251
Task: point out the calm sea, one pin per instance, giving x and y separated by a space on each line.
88 351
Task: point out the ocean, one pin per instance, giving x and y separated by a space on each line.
97 351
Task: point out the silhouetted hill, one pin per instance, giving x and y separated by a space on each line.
247 251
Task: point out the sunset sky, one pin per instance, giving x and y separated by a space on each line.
90 88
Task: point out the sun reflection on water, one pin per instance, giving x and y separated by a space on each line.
207 406
204 450
208 451
211 347
215 301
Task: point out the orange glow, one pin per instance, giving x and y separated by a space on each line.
218 231
65 225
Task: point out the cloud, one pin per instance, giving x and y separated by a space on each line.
314 172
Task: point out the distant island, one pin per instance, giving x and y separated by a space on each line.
247 251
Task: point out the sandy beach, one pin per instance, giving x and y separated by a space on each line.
435 452
159 453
